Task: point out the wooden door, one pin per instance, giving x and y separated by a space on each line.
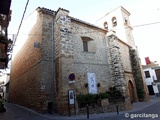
131 91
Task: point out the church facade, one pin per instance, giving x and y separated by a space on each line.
58 55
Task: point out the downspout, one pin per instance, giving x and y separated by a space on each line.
53 85
51 103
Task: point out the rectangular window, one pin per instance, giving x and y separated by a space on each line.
88 44
157 74
85 46
147 74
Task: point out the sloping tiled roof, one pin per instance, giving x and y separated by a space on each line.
45 10
51 12
63 9
78 20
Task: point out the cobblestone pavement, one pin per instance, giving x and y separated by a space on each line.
16 112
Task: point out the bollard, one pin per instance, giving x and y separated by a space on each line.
117 109
87 111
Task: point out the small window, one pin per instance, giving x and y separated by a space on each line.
114 21
126 21
105 25
88 44
85 46
147 74
157 71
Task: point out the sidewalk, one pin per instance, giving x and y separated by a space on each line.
136 107
141 105
28 112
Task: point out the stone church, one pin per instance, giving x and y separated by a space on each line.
56 54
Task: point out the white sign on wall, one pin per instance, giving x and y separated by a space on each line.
71 97
92 85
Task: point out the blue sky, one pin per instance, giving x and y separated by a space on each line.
142 12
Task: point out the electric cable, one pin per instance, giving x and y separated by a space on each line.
141 25
21 20
145 24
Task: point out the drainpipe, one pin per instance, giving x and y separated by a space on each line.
53 85
51 104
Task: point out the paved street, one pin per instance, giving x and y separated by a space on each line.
144 113
141 111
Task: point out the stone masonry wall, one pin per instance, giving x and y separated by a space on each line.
47 48
125 55
90 62
117 68
42 72
116 64
70 58
139 80
63 59
26 68
124 50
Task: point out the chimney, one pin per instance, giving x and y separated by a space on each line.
147 60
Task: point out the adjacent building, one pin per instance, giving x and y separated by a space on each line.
56 54
4 84
152 77
5 43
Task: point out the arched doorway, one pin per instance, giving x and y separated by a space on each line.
131 90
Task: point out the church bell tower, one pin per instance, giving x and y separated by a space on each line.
118 21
